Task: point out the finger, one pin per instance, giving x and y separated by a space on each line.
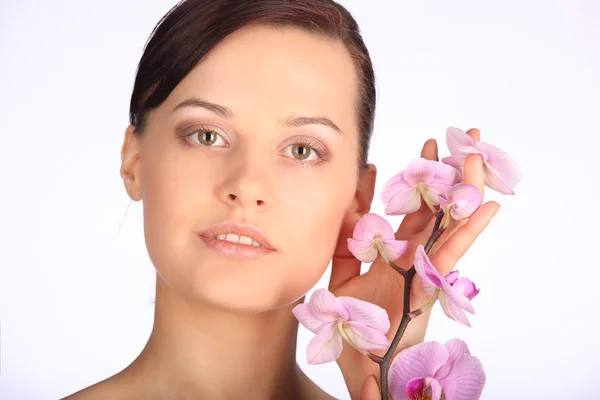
473 172
344 266
475 134
415 222
370 389
430 150
457 245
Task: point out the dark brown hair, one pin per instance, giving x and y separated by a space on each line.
193 27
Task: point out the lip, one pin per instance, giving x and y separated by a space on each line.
235 250
240 230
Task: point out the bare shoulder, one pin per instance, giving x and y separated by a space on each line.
110 388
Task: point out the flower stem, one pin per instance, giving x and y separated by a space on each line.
386 259
406 313
375 358
397 269
427 306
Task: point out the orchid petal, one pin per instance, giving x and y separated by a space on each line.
457 162
458 141
430 277
394 249
419 170
465 200
456 348
452 277
466 379
326 346
368 229
431 193
436 389
453 310
421 360
446 174
414 387
364 251
444 200
466 287
405 201
457 297
371 226
326 307
365 312
495 182
395 184
503 172
307 318
366 338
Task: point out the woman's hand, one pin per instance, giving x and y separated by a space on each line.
383 286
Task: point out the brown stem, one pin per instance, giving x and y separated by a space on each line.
406 316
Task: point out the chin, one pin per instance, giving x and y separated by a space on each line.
259 285
247 295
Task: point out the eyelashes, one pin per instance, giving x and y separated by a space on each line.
214 137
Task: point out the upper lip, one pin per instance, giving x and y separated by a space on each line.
240 230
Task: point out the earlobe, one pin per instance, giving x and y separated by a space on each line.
130 164
365 190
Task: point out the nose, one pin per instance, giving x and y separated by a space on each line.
235 199
248 190
248 179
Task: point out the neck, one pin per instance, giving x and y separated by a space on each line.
197 350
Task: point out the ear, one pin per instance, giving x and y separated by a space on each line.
365 191
130 166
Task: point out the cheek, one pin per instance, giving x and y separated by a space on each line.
172 207
315 222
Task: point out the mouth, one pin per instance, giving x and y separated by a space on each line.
233 238
235 246
238 234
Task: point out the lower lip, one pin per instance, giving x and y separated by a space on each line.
236 250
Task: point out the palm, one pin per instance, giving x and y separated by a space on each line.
383 286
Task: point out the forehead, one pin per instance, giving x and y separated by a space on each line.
263 71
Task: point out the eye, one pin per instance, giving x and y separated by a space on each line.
303 151
205 136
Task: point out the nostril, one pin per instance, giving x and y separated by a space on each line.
232 196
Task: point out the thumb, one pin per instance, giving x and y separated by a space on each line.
370 389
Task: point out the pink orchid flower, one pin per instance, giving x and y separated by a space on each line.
453 298
374 233
462 284
460 202
431 370
331 318
421 178
502 173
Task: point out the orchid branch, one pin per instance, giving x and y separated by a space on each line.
407 315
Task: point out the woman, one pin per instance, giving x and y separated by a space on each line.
250 120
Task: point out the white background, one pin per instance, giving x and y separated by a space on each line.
76 286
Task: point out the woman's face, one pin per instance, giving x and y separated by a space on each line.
243 161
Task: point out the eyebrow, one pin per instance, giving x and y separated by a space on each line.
225 112
215 108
